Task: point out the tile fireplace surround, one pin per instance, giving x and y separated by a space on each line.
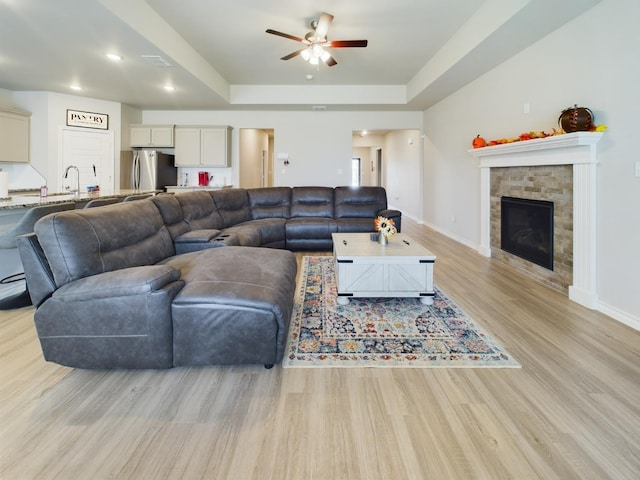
577 149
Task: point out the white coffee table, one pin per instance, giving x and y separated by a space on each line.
364 268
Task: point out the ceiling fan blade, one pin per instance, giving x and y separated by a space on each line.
285 35
331 62
323 25
347 43
293 54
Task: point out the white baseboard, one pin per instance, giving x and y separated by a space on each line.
453 236
610 311
619 315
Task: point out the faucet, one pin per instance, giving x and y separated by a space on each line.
66 174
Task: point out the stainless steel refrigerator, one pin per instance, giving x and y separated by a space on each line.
147 170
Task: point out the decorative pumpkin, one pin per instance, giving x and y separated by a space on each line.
576 119
479 142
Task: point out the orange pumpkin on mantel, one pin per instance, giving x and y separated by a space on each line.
478 142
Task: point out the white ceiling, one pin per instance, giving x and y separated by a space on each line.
419 51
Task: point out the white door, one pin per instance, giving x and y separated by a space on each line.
92 153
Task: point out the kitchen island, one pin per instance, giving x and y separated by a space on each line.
194 188
24 199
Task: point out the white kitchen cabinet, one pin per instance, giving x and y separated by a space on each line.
151 135
203 146
14 136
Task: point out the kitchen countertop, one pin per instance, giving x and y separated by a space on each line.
32 198
198 187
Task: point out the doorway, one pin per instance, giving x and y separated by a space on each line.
256 157
91 152
368 146
356 168
378 180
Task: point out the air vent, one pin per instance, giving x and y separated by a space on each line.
319 108
156 61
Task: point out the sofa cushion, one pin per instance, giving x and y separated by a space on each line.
172 214
271 231
84 242
355 225
119 319
308 233
270 202
359 202
232 204
235 306
199 210
312 202
247 234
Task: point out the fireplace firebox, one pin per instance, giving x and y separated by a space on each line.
527 229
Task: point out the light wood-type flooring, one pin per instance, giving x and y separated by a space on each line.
571 412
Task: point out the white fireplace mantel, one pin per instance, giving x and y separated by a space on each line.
577 149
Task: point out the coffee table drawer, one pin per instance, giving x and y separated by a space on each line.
395 278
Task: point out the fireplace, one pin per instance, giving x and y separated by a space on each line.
527 229
577 150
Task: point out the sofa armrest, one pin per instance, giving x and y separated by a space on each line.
36 268
119 283
395 215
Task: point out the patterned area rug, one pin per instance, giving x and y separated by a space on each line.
382 332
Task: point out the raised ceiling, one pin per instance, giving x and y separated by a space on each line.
220 57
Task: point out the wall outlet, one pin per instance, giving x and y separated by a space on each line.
525 108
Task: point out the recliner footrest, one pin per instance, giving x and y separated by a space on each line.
235 306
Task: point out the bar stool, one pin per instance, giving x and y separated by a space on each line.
98 202
132 198
11 258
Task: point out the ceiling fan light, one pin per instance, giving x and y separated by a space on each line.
306 54
325 56
313 60
317 51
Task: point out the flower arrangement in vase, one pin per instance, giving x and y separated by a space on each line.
386 228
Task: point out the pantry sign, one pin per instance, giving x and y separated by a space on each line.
76 118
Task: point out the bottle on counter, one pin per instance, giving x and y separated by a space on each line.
44 191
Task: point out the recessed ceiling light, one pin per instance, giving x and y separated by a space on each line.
75 87
115 57
169 88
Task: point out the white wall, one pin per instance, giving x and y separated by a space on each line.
366 147
6 98
402 170
254 142
319 144
129 115
363 153
48 115
592 62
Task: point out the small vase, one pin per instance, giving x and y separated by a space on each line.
382 238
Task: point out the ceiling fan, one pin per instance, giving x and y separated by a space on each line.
316 42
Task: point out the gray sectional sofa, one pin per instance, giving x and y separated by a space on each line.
146 285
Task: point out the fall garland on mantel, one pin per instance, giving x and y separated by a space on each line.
573 116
